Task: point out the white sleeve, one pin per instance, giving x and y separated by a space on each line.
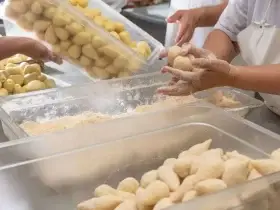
234 18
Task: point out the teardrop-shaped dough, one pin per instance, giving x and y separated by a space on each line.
163 203
211 169
266 166
148 178
236 171
127 205
169 162
276 154
254 174
182 167
189 195
208 155
185 187
168 176
197 149
210 186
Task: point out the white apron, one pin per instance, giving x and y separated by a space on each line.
259 45
200 34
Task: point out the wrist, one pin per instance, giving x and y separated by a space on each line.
234 76
201 16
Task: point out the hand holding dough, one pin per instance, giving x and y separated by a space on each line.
182 63
173 52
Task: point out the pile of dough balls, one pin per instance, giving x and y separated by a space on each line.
17 76
197 171
80 3
100 57
177 60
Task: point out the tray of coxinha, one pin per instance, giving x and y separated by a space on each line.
104 56
19 75
197 171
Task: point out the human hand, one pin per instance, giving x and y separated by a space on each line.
36 50
188 20
190 49
206 73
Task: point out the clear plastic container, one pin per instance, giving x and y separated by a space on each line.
258 194
50 98
111 56
53 95
38 147
114 103
122 95
242 108
63 180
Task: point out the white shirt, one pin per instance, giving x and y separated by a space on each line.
241 13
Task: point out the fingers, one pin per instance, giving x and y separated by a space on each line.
212 65
56 59
182 75
196 52
173 81
183 29
163 54
175 17
175 90
186 37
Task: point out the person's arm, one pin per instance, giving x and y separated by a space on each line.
210 15
220 44
264 78
10 46
223 40
189 19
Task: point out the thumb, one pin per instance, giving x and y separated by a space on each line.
55 58
212 65
175 17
